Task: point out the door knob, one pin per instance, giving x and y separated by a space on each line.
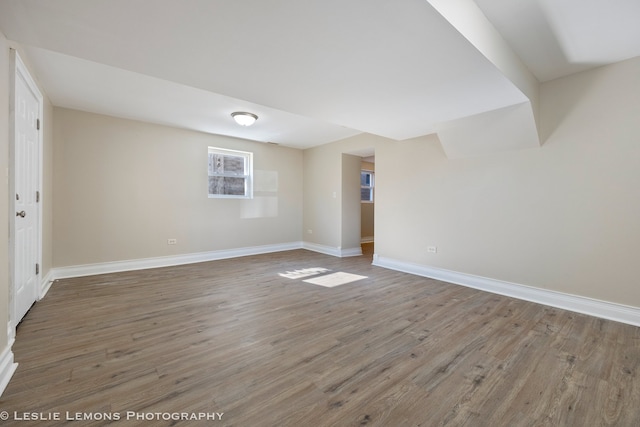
21 214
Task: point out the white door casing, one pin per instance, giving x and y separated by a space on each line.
26 225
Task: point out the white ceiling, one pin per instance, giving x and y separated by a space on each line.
313 71
556 38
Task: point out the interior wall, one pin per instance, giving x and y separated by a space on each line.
123 188
562 217
367 210
321 212
351 214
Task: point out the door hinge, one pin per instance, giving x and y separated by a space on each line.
37 268
37 196
38 124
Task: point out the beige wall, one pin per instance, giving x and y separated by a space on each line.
122 188
322 196
351 215
367 209
562 217
367 215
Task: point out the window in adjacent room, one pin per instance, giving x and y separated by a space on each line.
366 186
230 173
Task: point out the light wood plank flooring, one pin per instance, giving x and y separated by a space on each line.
393 349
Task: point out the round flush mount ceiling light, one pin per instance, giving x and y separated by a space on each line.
244 119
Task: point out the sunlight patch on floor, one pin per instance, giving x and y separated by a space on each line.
335 279
305 272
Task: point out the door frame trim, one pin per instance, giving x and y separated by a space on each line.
19 68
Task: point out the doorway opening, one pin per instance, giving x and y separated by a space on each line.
367 204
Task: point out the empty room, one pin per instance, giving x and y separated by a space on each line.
328 213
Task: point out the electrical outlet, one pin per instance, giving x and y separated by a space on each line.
432 249
172 241
309 231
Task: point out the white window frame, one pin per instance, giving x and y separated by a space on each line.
370 187
248 176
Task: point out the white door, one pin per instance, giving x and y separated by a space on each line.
26 180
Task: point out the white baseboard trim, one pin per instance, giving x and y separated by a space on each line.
368 239
350 252
579 304
11 332
329 250
7 366
165 261
47 280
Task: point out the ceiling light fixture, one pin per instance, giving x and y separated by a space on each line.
244 119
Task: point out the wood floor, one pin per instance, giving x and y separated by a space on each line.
393 349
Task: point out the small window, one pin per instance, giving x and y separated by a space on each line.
366 186
230 174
